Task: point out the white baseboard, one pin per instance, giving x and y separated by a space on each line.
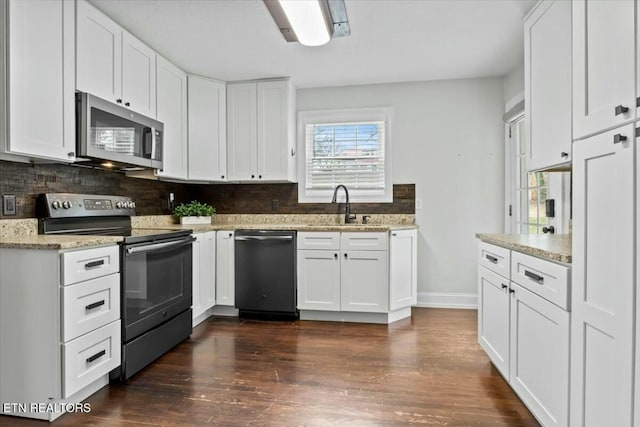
447 300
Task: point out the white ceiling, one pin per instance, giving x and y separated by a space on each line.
391 40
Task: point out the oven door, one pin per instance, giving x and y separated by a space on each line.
157 283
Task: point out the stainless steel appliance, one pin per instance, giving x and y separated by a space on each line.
265 272
156 271
112 135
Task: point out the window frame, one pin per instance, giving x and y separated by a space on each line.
379 114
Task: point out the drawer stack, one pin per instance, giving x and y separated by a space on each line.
90 329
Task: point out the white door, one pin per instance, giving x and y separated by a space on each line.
547 34
319 280
603 65
273 143
403 280
364 281
539 370
138 76
196 304
207 129
603 279
208 267
242 128
493 318
42 74
99 53
225 269
171 105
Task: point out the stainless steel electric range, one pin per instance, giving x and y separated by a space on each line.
155 270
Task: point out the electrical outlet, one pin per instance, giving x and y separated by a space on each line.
274 205
8 204
418 204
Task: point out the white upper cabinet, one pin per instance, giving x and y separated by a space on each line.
603 65
41 70
207 129
261 131
112 64
171 105
547 35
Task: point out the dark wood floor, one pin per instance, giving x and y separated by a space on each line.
428 370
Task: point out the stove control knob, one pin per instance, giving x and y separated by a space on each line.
133 205
66 204
119 205
56 204
127 205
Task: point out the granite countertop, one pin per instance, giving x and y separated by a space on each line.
296 227
41 241
554 247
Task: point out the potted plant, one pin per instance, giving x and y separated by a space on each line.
194 213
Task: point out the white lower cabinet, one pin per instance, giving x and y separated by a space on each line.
225 269
68 339
204 275
348 274
525 335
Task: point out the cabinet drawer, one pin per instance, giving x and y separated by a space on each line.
78 266
318 240
89 305
89 357
364 241
495 258
544 278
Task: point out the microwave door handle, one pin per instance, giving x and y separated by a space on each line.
153 143
156 246
147 142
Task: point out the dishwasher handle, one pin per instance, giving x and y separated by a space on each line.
263 237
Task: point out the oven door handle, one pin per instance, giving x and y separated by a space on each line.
155 246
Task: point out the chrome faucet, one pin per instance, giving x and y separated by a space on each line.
347 209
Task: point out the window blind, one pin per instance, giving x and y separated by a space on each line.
345 153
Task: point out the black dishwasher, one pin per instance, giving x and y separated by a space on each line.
265 269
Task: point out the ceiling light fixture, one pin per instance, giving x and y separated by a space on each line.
310 22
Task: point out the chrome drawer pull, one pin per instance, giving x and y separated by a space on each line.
93 264
94 305
98 355
534 276
492 259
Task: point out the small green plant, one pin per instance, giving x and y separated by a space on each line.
194 209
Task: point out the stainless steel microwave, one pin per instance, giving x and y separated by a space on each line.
113 136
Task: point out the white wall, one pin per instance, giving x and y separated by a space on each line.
447 138
514 87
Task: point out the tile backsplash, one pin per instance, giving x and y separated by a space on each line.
26 181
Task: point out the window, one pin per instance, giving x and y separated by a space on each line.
345 147
530 188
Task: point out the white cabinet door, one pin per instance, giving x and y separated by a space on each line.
603 279
99 53
208 271
273 125
493 318
171 104
42 79
242 131
603 65
319 280
196 305
539 370
225 269
138 76
547 34
364 281
207 129
403 271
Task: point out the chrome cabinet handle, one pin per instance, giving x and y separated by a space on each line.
534 276
492 259
618 137
621 109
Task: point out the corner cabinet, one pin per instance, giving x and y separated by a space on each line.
523 326
204 275
261 131
547 36
112 64
225 268
347 276
171 107
39 81
207 129
68 339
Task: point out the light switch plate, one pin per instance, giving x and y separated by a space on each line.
8 204
418 204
